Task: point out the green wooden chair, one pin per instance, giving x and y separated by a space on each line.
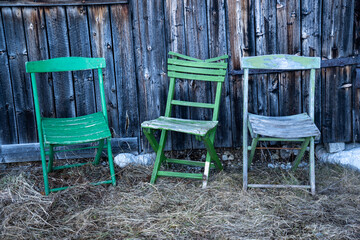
55 132
184 67
298 127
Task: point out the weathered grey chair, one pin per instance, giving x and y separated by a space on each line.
298 127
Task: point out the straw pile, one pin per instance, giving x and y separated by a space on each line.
179 208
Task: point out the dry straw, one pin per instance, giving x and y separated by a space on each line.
180 209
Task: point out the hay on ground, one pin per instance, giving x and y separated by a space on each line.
179 208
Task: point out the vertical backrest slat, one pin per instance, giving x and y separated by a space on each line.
312 94
245 119
170 97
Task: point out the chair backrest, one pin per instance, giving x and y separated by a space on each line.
185 67
281 62
65 64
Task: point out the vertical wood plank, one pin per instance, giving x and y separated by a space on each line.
197 46
150 58
35 32
218 46
102 46
126 86
58 42
234 36
80 47
175 36
242 43
265 32
17 52
356 79
288 41
250 50
311 46
337 39
8 128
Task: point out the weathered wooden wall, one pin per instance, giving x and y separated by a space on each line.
135 37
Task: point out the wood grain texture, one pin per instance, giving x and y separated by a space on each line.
127 97
8 129
36 39
196 39
175 39
42 3
80 47
356 79
195 127
21 85
288 42
311 46
216 13
234 36
58 43
337 37
294 126
150 58
102 46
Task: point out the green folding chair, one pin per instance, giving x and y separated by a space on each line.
188 68
55 132
297 128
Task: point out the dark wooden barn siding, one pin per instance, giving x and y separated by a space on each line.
135 37
36 33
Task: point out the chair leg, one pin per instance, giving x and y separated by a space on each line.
301 154
245 161
210 155
253 148
312 166
51 158
159 156
154 144
45 173
111 162
98 152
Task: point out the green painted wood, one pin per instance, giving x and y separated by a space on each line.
215 59
300 127
269 139
300 154
204 71
65 64
69 166
253 148
188 162
281 62
184 56
55 132
202 64
192 104
180 174
196 77
203 130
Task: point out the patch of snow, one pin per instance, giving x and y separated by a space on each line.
349 157
124 159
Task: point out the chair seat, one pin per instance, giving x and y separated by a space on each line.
195 127
294 126
89 128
